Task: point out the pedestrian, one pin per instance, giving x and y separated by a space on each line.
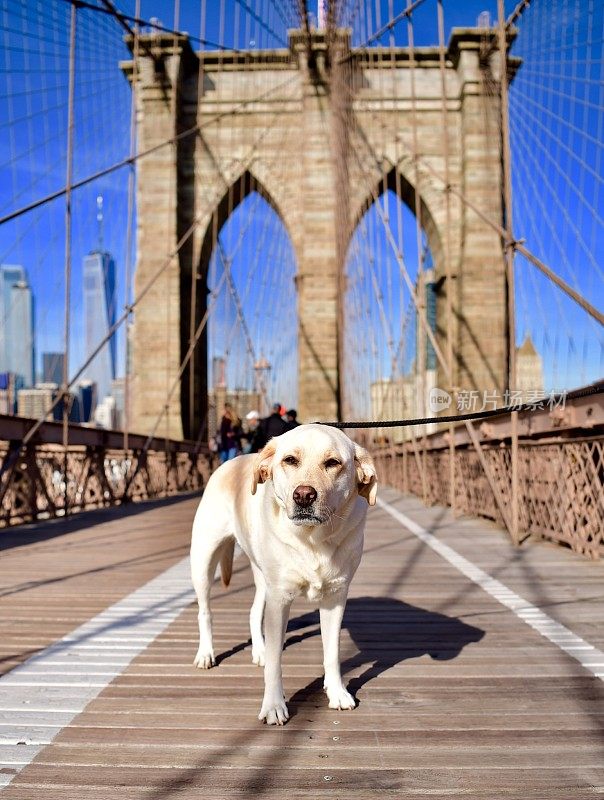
273 425
291 419
254 435
230 434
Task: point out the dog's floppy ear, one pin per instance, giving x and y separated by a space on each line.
263 467
366 474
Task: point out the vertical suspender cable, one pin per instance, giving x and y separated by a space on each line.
509 256
447 242
420 284
129 231
195 276
68 181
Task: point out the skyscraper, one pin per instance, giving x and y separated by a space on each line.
52 368
99 313
16 324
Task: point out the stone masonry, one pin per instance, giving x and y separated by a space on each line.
266 123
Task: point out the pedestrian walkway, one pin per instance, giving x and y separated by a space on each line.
475 666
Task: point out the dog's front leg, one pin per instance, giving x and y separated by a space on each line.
274 709
331 612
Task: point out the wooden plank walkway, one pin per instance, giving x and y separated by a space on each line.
457 695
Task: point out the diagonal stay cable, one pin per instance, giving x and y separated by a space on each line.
156 26
130 307
192 345
132 159
384 29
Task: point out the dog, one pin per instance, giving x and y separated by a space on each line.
297 509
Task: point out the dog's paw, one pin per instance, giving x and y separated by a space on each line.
274 713
258 656
204 659
339 698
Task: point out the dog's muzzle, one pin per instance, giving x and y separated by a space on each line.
303 513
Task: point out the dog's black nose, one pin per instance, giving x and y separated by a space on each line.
304 496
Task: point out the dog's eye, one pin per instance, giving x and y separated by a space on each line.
291 460
332 462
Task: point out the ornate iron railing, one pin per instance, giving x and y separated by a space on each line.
561 484
43 479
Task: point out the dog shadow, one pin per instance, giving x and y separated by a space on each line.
385 632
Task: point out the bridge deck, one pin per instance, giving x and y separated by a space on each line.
457 695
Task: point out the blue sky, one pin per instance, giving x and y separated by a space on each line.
557 133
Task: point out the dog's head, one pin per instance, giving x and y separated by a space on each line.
315 470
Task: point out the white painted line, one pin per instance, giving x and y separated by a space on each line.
134 622
532 615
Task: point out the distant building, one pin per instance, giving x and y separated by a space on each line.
401 398
16 324
426 362
104 413
100 313
218 371
8 392
118 392
392 399
35 403
529 368
87 398
6 403
52 368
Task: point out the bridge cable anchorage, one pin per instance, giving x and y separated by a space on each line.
554 399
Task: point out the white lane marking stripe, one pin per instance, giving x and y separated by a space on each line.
135 621
532 615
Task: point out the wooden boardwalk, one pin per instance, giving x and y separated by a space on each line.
457 695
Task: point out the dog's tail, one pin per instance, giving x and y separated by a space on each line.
226 560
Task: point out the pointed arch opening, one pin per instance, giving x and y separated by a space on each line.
385 343
247 354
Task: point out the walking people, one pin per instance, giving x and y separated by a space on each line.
273 425
230 434
254 435
291 418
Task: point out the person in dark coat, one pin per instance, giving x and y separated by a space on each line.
273 425
291 419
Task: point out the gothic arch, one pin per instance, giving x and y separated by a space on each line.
247 182
430 202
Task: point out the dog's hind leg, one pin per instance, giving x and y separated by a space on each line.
256 614
207 549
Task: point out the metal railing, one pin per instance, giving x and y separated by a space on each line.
43 479
560 473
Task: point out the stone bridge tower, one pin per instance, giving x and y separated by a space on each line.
266 121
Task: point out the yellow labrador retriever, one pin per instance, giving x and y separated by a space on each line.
297 509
